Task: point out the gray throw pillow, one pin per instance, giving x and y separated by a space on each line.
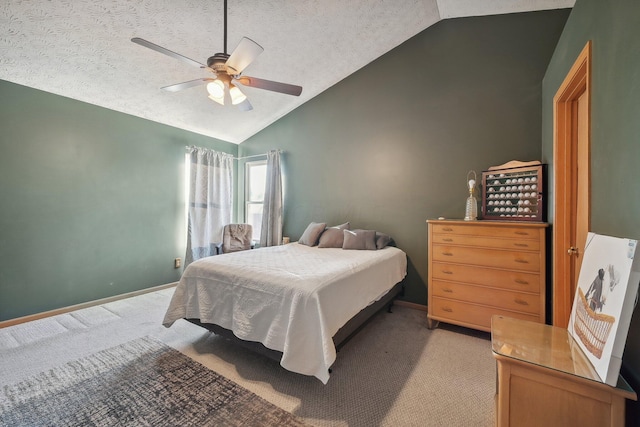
359 239
312 233
383 240
333 236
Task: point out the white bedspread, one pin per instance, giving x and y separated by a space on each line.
291 298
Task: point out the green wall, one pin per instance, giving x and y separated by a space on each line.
92 201
614 29
391 145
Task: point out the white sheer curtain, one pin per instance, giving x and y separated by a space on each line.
271 233
210 201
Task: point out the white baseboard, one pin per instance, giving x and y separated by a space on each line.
63 310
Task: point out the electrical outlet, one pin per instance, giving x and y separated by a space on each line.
177 262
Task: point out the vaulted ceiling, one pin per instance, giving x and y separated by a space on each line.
81 49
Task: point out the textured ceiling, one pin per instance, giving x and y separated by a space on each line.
81 49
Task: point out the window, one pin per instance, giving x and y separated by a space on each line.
255 180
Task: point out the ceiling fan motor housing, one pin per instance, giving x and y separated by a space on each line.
217 62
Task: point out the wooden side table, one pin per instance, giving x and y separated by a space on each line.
544 378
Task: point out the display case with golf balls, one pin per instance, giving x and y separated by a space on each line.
514 192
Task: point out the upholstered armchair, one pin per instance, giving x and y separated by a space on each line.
236 237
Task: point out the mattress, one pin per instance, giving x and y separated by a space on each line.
291 298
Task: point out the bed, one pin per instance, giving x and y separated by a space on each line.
297 301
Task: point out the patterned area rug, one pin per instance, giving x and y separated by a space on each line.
139 383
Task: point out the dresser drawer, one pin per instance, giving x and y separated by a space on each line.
467 314
507 279
509 300
487 242
476 229
526 261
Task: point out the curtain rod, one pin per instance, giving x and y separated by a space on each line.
238 158
256 155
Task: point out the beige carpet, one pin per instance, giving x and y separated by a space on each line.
395 372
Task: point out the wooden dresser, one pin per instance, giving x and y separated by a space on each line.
481 268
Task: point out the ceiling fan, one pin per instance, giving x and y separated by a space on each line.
227 72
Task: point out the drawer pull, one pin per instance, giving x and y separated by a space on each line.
521 302
521 233
447 254
447 229
447 272
447 309
449 291
447 240
521 245
522 261
521 282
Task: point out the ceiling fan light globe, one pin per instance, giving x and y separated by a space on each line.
216 89
236 95
218 100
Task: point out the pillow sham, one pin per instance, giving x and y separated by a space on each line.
333 237
383 240
312 233
359 239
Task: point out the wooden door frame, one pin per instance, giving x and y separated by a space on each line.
575 84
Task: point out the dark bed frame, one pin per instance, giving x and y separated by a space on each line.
341 337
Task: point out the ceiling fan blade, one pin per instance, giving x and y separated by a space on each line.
153 46
185 85
245 105
270 85
243 55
